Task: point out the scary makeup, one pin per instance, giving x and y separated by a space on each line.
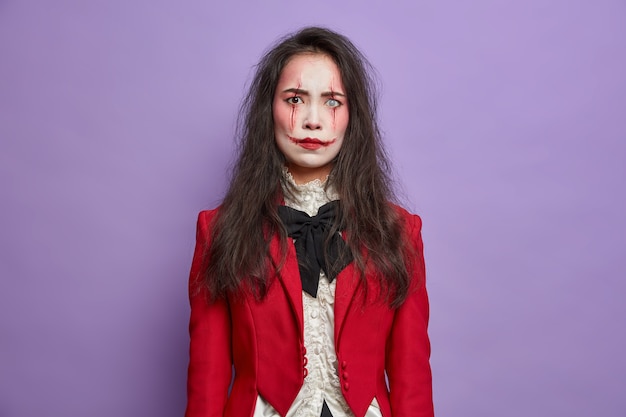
310 111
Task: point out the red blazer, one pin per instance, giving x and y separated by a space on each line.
264 342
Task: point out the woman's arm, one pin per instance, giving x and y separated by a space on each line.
210 361
408 347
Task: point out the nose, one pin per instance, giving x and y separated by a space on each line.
312 119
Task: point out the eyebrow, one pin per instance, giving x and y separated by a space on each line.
306 93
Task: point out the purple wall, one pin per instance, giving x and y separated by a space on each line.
507 127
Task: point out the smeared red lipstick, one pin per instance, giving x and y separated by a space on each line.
311 143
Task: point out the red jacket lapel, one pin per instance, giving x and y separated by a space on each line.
289 276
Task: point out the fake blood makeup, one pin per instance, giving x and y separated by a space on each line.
310 112
311 143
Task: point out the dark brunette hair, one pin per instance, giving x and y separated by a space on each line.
248 217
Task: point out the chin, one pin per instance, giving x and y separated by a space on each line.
310 163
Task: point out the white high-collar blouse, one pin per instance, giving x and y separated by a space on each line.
322 380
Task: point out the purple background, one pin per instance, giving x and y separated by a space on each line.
506 124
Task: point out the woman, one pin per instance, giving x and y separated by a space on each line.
307 281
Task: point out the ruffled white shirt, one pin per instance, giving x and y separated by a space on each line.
322 381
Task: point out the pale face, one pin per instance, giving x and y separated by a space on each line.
310 112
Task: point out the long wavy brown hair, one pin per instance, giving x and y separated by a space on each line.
248 216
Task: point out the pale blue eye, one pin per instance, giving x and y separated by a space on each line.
333 103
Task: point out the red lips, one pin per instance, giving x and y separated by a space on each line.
311 143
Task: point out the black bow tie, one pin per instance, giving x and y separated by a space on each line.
310 233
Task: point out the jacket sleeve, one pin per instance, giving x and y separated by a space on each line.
210 361
408 347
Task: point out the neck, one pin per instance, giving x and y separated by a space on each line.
302 175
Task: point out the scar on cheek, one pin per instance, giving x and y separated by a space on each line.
294 108
293 117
